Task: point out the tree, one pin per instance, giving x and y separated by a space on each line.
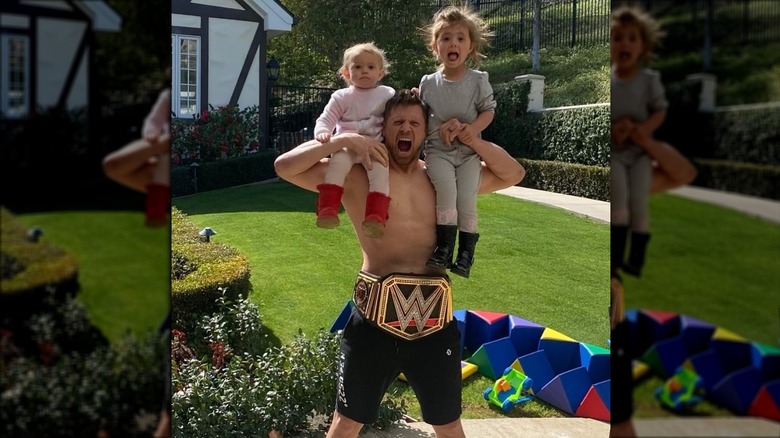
311 53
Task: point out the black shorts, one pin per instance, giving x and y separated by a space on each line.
372 359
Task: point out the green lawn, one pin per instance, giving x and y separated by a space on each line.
123 266
537 262
713 264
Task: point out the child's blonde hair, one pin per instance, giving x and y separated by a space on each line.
648 27
351 53
479 33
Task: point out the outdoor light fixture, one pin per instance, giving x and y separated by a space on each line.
207 233
272 69
34 234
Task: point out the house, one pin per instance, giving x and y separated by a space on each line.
219 53
45 53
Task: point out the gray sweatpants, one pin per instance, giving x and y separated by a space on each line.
632 172
456 174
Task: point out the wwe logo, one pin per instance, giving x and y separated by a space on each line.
416 307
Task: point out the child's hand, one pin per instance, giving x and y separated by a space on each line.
639 134
466 134
449 131
621 130
415 91
323 138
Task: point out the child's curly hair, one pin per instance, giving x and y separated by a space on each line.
479 33
648 27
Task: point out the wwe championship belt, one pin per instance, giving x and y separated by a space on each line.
406 306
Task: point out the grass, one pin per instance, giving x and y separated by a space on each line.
575 76
536 262
713 264
123 266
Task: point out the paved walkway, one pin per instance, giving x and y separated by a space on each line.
586 427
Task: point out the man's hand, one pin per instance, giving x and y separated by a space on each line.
466 134
449 131
640 134
323 138
621 130
364 148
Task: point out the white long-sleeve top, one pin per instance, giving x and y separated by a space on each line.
355 109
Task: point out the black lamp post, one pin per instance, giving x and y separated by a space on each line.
272 71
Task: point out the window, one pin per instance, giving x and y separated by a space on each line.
186 75
14 76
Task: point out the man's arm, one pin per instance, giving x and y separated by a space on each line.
134 164
672 168
499 169
305 165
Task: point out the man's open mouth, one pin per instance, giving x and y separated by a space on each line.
404 144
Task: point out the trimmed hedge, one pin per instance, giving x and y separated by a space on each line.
31 272
577 135
200 271
591 182
748 136
224 173
746 178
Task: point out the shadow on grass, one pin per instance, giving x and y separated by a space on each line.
278 196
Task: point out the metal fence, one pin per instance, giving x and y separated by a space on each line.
564 23
733 22
293 113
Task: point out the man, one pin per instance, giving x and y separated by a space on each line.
376 346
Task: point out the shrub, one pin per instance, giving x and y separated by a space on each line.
591 182
748 136
70 385
224 385
29 271
746 178
30 265
222 132
199 270
576 135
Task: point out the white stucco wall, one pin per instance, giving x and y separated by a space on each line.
80 93
230 4
229 41
185 20
58 42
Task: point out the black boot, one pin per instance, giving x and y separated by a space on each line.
466 244
445 246
636 256
617 247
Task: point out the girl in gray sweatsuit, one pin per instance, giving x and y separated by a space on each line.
461 105
638 105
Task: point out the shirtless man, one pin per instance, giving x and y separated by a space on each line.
372 358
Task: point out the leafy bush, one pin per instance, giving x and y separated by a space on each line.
30 265
746 178
224 173
227 380
591 182
29 273
71 385
748 136
577 135
209 268
219 133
